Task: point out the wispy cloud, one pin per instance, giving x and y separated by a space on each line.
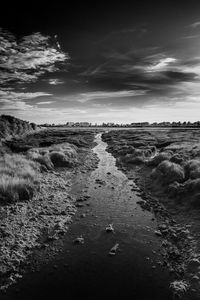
26 59
192 36
10 95
44 102
9 105
23 61
10 100
195 24
84 97
161 64
55 81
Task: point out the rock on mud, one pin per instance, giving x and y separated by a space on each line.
79 240
179 287
109 228
113 250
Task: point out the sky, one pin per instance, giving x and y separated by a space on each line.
119 63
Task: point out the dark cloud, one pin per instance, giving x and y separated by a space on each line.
174 76
148 71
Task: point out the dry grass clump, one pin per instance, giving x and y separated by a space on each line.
68 149
14 189
192 169
177 158
63 155
168 172
156 160
125 149
174 189
134 159
192 186
137 156
17 178
182 179
42 157
190 190
187 192
17 165
59 159
179 287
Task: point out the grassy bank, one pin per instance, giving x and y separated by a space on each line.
18 178
165 166
39 151
170 160
36 173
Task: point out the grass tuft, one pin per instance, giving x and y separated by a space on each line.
17 178
59 159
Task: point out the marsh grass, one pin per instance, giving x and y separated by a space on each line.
17 178
62 155
59 159
42 157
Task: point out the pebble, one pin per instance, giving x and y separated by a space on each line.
109 228
79 240
113 250
158 232
83 215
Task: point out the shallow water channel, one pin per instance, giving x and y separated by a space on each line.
86 271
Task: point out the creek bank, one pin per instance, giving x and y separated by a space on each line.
30 228
178 227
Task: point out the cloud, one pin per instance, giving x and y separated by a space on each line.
10 100
180 76
195 24
84 97
9 105
156 72
26 59
161 64
55 81
193 36
9 95
44 102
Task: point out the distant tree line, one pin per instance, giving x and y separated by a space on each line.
135 124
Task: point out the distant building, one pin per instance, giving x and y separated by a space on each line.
110 124
140 124
82 124
164 124
70 124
